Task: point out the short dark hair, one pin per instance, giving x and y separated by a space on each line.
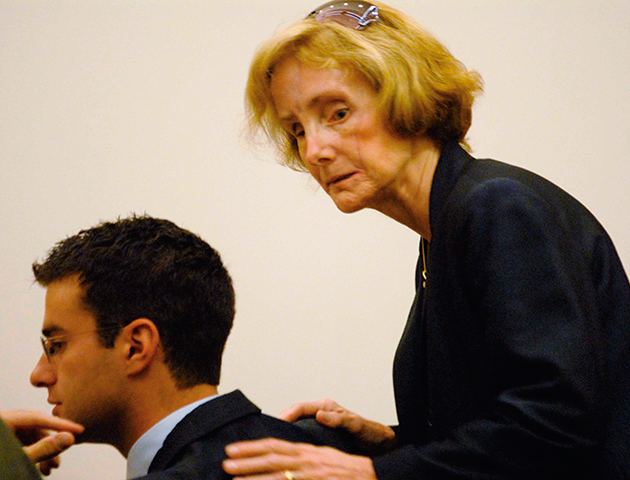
148 267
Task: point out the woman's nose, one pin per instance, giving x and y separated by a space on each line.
43 374
318 146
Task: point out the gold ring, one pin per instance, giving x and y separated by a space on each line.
289 475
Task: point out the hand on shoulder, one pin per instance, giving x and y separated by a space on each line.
330 414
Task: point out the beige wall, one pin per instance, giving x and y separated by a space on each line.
117 106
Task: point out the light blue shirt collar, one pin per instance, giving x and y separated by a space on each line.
146 447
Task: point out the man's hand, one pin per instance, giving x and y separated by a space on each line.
44 437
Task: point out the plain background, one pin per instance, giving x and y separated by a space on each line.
112 107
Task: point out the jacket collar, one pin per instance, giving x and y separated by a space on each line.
200 422
453 160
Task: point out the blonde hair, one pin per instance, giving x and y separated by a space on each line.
422 88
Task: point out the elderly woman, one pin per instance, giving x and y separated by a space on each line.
515 360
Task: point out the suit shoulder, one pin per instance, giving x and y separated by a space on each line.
490 187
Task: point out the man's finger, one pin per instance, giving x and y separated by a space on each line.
49 447
47 466
28 419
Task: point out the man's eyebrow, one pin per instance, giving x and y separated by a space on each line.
51 331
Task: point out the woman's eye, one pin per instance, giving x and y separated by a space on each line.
297 130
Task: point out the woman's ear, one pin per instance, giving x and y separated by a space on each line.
140 341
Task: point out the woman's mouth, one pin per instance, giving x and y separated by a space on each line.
340 178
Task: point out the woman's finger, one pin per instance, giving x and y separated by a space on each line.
308 462
334 419
264 446
261 464
270 476
370 433
266 456
298 411
308 409
342 418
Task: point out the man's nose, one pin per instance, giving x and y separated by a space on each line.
43 374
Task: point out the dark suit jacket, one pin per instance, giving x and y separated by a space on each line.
515 360
14 465
196 446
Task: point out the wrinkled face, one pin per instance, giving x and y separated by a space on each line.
341 134
82 376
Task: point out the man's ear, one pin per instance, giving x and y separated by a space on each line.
140 341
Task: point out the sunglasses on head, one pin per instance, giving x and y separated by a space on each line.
355 15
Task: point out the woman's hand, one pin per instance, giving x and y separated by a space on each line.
273 459
329 413
33 429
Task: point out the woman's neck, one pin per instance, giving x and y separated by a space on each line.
407 200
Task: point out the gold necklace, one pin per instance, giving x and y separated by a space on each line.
424 248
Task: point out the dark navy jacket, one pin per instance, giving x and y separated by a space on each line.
515 360
195 449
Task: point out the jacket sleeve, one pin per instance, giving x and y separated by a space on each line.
527 277
13 463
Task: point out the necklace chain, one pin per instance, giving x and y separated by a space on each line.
424 249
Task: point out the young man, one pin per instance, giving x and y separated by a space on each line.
136 318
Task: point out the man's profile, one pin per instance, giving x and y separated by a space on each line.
137 314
